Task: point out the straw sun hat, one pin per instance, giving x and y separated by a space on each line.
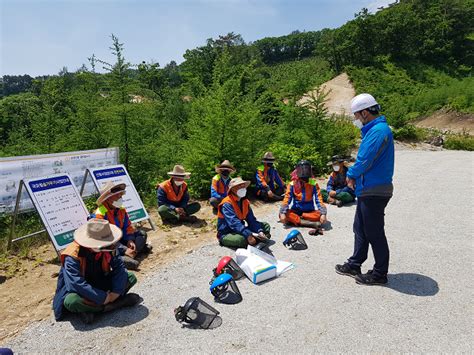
97 234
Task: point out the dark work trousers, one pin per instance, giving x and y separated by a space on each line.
369 229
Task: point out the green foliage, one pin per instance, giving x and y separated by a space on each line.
225 124
293 79
459 142
436 32
406 95
409 133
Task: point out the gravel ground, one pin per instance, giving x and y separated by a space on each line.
426 307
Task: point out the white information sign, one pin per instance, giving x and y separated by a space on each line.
15 169
131 200
59 205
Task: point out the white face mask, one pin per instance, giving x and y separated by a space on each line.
179 183
118 203
336 167
241 192
358 123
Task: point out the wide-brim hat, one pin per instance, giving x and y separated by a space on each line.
97 234
340 159
178 171
237 182
268 157
225 165
110 189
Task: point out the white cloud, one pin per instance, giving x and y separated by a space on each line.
373 6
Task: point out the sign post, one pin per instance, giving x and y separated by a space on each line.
59 205
131 200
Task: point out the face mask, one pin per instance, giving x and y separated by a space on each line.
179 183
118 203
241 192
336 168
358 123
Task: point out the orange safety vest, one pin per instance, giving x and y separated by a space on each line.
241 214
72 250
169 190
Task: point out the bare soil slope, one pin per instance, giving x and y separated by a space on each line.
451 121
339 94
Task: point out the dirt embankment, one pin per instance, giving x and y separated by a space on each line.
339 92
449 122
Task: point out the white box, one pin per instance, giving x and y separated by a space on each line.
256 267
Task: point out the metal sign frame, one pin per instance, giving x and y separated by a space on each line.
34 201
88 173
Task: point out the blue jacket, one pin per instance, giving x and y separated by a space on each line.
219 186
71 280
165 197
229 222
267 178
373 169
337 182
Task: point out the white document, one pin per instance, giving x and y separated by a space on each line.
260 266
281 266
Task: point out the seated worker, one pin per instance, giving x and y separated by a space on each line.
220 183
303 204
337 192
93 278
236 224
111 208
173 198
269 185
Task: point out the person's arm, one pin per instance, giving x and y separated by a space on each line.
261 179
76 283
330 184
278 180
345 189
234 223
252 222
287 200
214 192
129 234
184 201
119 275
372 146
162 199
318 199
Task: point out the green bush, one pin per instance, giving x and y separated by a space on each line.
409 133
459 142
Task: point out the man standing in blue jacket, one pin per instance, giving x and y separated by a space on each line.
371 175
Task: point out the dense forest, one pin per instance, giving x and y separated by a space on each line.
234 100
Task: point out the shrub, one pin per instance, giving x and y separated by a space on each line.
459 142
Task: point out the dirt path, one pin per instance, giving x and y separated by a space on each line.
339 94
27 297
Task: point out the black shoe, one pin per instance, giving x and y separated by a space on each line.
370 279
87 317
128 300
347 270
148 248
130 264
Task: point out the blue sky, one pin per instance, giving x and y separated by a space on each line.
41 36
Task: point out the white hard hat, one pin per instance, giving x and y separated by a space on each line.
361 102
